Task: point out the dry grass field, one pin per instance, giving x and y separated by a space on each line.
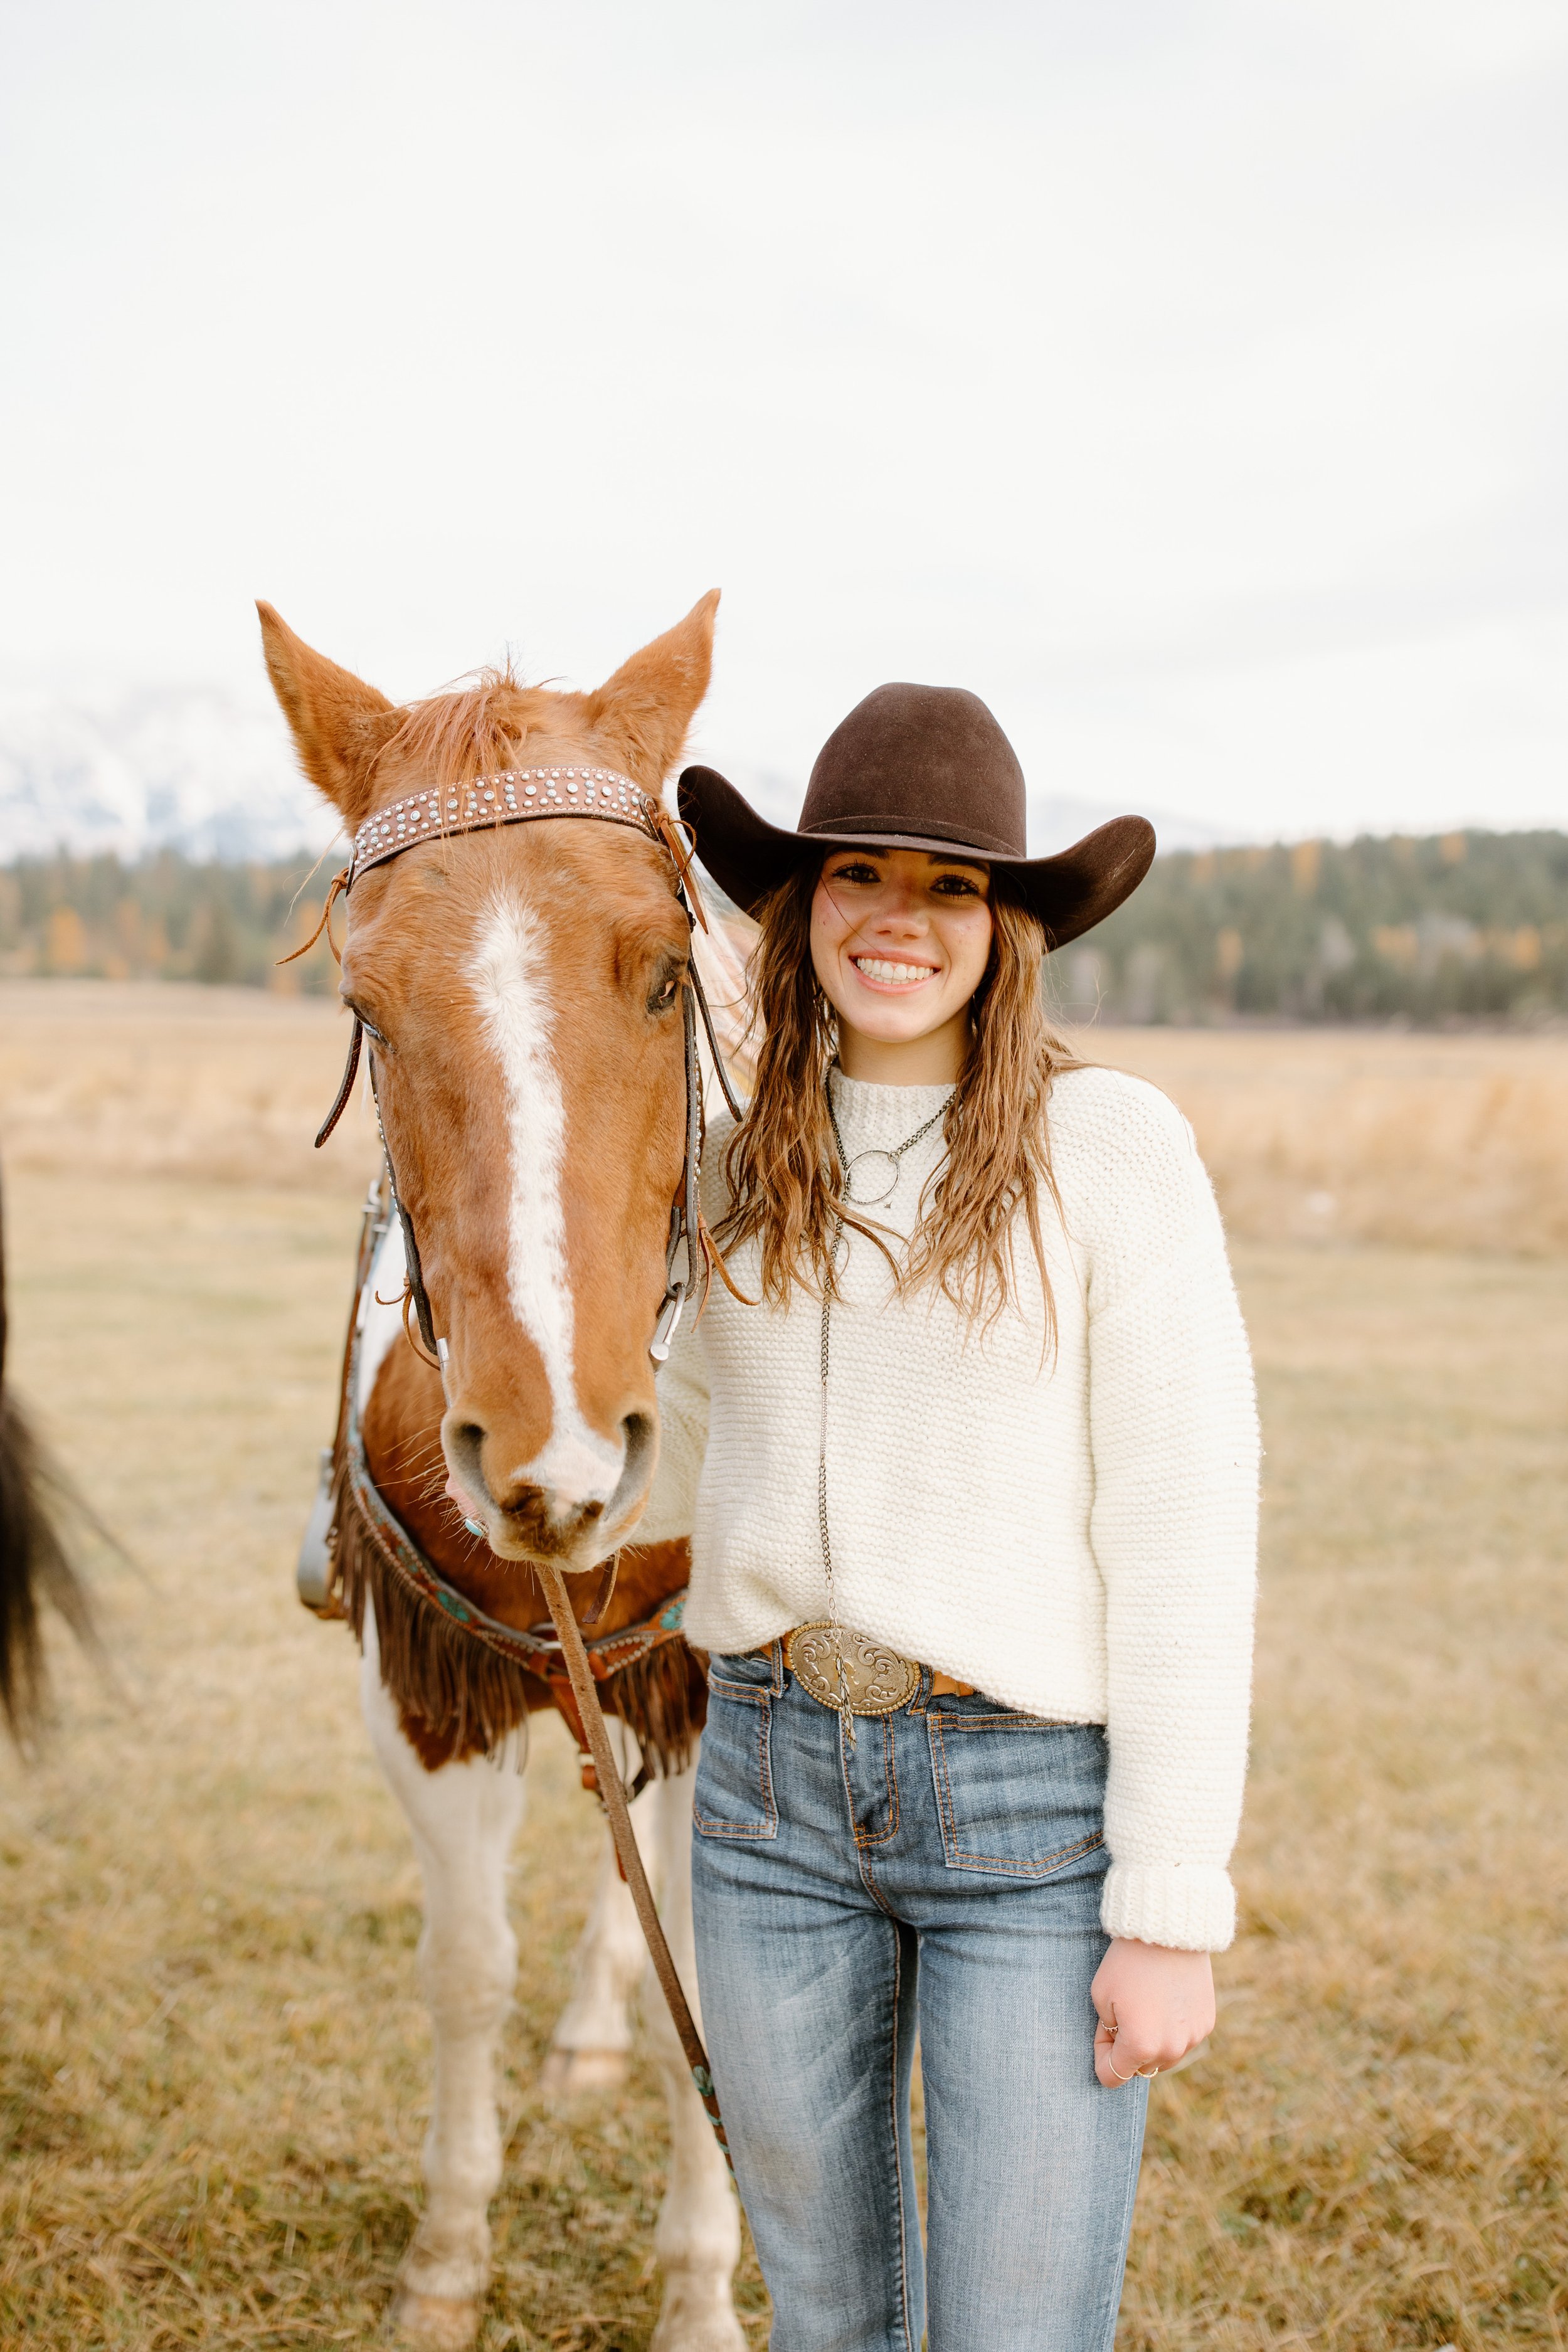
1444 1143
213 2060
1435 1142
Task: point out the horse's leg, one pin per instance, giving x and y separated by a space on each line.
464 1818
592 2035
698 2239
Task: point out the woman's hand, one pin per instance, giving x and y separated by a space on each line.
1153 2005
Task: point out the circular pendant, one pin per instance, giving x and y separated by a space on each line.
889 1161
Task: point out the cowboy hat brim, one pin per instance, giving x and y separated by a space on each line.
1069 893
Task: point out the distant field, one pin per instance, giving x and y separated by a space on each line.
169 1078
212 2059
1366 1134
1442 1143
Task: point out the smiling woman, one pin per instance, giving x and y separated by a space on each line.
970 1497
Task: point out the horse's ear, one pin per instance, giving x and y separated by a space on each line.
642 712
339 723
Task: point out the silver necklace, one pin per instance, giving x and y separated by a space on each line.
845 1713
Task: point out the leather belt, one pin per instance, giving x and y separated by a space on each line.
878 1680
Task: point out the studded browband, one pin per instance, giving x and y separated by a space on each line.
509 798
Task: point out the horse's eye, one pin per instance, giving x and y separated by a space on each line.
665 992
369 1027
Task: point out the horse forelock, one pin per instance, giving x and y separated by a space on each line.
494 722
474 729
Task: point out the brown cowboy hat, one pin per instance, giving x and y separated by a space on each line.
918 767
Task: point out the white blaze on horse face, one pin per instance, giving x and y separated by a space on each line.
510 971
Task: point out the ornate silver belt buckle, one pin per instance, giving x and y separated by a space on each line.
878 1679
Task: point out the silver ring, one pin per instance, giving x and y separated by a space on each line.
871 1200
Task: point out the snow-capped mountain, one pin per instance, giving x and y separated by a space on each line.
194 770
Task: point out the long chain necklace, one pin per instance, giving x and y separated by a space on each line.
845 1713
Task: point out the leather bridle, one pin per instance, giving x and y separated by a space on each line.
518 796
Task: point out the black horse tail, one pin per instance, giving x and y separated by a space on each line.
35 1566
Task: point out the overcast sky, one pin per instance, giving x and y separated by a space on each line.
1187 378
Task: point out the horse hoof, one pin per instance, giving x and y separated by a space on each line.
433 2323
568 2073
697 2320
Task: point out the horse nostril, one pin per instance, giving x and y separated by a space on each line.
465 1459
592 1510
637 1430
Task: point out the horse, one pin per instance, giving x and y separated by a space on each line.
35 1566
525 991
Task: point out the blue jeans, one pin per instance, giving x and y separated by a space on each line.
943 1877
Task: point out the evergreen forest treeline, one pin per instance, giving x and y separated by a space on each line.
166 918
1459 927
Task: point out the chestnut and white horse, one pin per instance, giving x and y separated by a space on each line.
522 988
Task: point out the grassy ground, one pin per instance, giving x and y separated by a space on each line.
1371 1135
213 2062
1377 2154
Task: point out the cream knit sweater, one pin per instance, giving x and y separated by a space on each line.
1076 1537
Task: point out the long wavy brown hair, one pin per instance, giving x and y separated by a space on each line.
784 1178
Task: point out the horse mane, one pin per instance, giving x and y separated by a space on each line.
472 730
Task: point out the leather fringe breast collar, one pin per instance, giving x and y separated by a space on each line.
444 1658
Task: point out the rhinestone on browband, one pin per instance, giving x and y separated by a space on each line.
508 798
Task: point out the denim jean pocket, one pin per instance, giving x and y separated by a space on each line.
753 1669
1017 1795
734 1793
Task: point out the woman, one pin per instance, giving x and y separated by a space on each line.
971 1497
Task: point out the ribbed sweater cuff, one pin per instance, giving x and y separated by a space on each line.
1189 1906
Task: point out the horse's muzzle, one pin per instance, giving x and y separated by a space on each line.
570 1506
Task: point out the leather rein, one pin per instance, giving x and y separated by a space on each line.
518 796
